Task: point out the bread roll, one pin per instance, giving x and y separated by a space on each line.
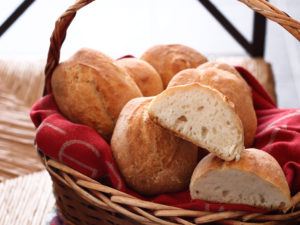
89 88
220 66
232 86
151 159
144 75
170 59
202 115
255 180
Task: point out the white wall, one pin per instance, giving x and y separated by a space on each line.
119 27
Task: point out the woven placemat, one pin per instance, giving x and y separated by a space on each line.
26 200
21 85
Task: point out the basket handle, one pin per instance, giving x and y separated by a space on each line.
271 12
63 22
57 38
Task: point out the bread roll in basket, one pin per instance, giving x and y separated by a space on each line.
83 200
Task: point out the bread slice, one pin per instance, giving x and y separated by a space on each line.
229 84
256 180
202 115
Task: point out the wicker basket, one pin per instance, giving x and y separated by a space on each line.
82 200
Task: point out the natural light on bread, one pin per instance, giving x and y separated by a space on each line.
89 88
202 115
171 58
144 75
220 66
255 180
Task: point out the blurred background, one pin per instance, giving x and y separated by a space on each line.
119 27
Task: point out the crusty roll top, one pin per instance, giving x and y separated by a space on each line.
170 59
91 89
151 159
145 76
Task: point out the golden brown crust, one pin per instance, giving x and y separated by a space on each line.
253 161
151 159
90 89
235 88
170 59
258 67
145 76
220 66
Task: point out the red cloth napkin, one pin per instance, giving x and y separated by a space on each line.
81 148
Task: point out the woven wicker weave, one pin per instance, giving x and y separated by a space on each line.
272 13
82 200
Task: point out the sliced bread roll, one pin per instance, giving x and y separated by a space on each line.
170 59
256 180
202 115
144 75
232 86
151 159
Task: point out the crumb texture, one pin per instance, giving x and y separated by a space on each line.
238 187
202 116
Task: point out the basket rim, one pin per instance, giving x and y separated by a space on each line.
113 200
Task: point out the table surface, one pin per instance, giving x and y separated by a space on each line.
27 200
17 153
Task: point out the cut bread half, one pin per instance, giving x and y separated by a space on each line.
201 115
256 180
232 86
